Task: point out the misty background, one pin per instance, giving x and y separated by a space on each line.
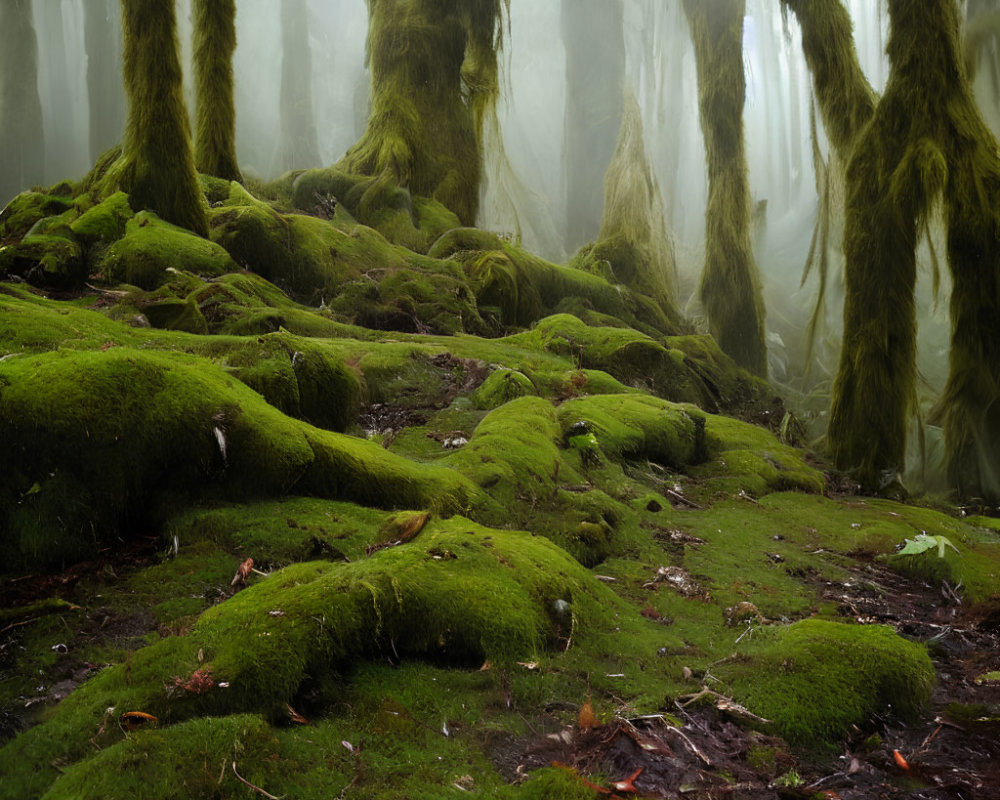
302 100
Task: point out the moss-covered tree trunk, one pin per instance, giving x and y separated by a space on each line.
298 146
102 38
156 168
433 67
730 285
926 139
846 99
22 154
594 37
215 116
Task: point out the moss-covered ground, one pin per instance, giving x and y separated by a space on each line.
345 512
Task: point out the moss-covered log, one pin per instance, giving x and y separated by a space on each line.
156 167
433 68
214 45
22 156
730 285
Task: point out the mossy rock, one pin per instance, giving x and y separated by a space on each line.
501 387
816 679
25 210
98 441
176 315
151 248
46 260
106 222
636 426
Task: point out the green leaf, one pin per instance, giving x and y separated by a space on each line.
922 542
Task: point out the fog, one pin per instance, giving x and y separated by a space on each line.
543 167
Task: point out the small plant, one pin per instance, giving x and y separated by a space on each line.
923 542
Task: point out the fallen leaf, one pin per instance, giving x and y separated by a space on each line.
134 719
586 719
243 572
628 784
295 716
900 761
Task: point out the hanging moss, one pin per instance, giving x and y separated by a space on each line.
730 285
633 239
434 70
156 167
214 44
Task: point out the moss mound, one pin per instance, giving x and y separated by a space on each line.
152 248
459 592
100 440
815 679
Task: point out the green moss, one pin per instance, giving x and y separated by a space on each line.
458 592
215 118
640 427
151 761
178 425
156 165
816 679
152 247
46 260
105 222
21 214
176 315
500 387
554 783
281 532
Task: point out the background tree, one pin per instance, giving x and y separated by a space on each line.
730 285
22 153
592 31
298 146
102 38
156 167
213 47
434 70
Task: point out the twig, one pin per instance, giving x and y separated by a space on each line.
690 744
678 497
18 624
255 788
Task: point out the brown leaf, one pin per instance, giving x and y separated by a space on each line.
586 719
295 716
134 719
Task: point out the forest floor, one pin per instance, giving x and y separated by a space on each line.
304 512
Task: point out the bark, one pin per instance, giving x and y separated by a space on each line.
730 285
214 45
156 168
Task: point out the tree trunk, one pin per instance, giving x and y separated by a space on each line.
156 168
214 45
102 37
22 153
299 147
434 72
730 285
926 139
594 37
